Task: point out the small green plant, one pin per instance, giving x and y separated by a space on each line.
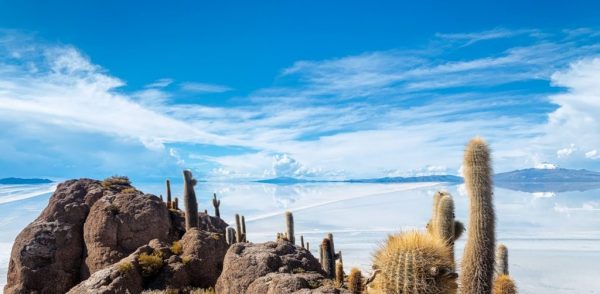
298 270
176 248
116 181
128 191
150 263
185 259
125 266
314 284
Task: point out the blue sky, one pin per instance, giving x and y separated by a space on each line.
340 89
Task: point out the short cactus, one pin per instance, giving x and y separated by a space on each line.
355 283
244 236
302 241
504 285
436 200
230 235
307 246
414 262
327 258
501 260
169 201
443 224
477 270
189 197
216 204
176 204
339 274
289 226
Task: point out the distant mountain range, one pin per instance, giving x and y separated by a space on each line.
526 180
20 181
549 179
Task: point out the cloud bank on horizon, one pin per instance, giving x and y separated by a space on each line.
534 96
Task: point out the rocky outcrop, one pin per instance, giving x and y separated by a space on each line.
86 226
272 267
118 224
204 252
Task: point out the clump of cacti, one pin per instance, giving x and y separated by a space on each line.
327 258
414 262
355 283
477 269
169 201
216 204
189 197
289 226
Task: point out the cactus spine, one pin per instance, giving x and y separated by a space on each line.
339 274
327 259
216 204
414 262
230 236
355 281
501 260
504 285
169 202
189 197
244 236
238 228
289 226
478 260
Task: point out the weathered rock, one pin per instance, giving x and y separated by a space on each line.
122 277
204 253
118 224
246 263
47 254
205 222
283 283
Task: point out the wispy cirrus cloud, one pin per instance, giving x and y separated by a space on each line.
204 88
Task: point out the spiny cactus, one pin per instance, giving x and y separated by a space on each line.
176 204
504 285
169 201
302 241
443 223
307 246
189 197
238 228
477 269
355 284
230 235
339 274
414 262
501 260
327 258
330 237
216 204
436 200
244 236
338 256
289 226
161 198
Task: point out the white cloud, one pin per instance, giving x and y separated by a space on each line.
204 88
592 154
160 83
173 153
566 152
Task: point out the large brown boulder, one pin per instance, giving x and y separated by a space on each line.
119 224
272 267
47 254
87 225
204 253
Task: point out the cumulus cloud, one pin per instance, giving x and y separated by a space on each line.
566 152
592 154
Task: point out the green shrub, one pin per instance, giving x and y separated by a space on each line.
176 248
125 266
128 191
116 181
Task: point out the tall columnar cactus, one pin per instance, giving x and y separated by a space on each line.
238 228
477 270
307 246
330 237
327 258
302 241
169 201
230 235
189 197
443 223
355 284
504 285
414 262
339 274
244 235
289 226
501 260
216 204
